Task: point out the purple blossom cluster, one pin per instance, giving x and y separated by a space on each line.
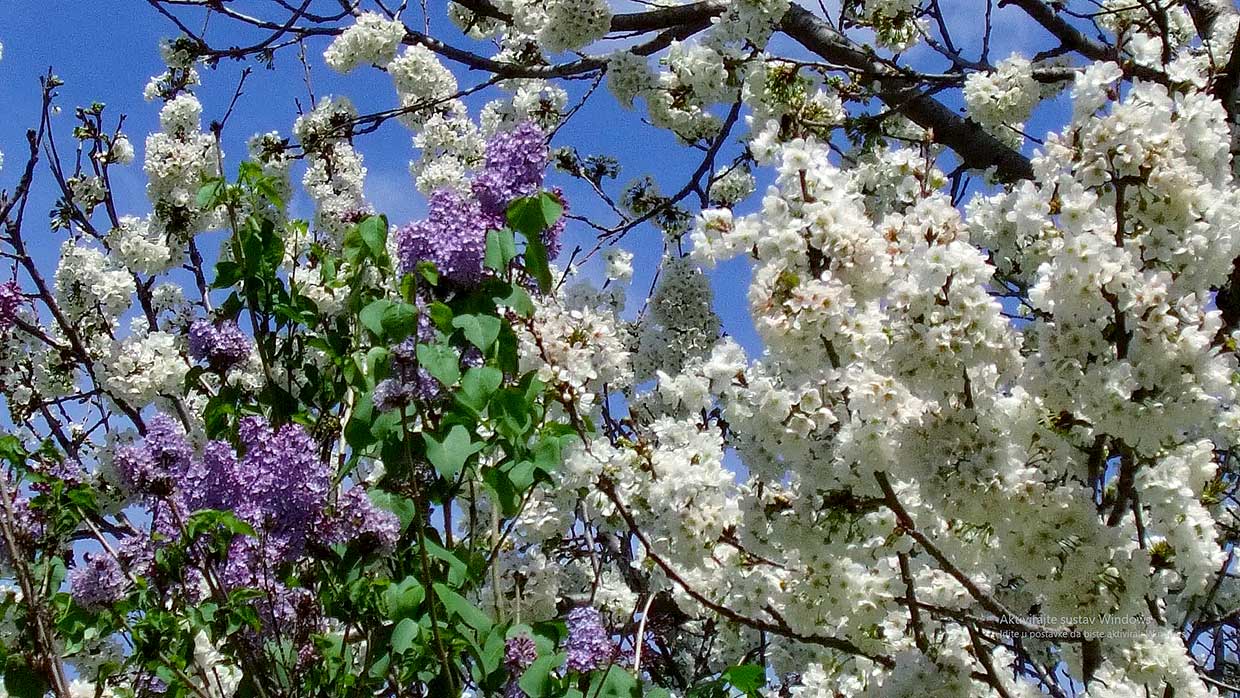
278 484
99 582
221 344
453 235
150 467
589 645
283 482
515 163
28 524
357 518
409 381
519 653
11 300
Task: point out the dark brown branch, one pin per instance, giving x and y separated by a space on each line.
976 148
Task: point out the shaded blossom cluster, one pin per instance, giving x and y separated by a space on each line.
220 344
99 582
10 301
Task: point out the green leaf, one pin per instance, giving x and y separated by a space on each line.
22 681
427 270
616 683
477 386
459 605
458 571
480 330
209 193
366 239
749 679
403 598
373 231
388 320
516 298
449 455
403 636
492 654
358 432
227 273
441 361
402 507
506 494
533 214
206 520
501 249
537 681
536 262
441 315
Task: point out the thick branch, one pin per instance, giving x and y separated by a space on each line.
976 148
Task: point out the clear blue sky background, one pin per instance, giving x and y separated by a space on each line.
106 50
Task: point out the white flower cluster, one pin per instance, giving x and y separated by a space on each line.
681 322
179 159
89 283
335 176
145 366
424 85
1002 100
731 186
579 350
138 247
560 25
372 39
451 145
540 101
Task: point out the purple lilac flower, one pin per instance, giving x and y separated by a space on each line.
285 481
515 163
589 646
10 300
453 237
214 480
163 456
358 518
135 554
391 394
98 583
519 653
219 344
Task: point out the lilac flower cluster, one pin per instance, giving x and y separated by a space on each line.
515 163
409 381
29 525
220 344
589 645
453 235
357 518
519 653
99 582
10 300
151 466
285 484
278 485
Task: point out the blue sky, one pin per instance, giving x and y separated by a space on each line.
106 51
